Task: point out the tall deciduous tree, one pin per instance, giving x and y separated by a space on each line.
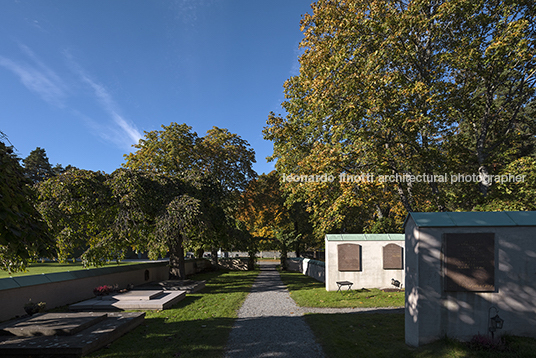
23 234
105 215
221 163
265 214
392 88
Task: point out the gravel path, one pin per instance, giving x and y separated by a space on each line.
269 323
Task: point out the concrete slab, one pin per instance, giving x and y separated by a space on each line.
134 295
51 324
81 343
162 301
189 286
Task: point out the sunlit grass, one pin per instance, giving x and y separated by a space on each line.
198 326
379 334
307 292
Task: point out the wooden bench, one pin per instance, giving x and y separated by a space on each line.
344 283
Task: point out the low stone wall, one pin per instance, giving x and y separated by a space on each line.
62 288
312 268
193 266
236 264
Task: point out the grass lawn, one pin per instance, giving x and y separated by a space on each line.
37 268
198 326
307 292
379 334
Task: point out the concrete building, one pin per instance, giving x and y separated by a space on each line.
366 260
463 268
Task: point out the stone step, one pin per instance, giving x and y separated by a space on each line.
164 300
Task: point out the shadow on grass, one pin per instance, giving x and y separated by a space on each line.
382 335
197 326
163 337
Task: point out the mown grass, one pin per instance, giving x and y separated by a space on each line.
38 268
382 335
198 326
307 292
375 334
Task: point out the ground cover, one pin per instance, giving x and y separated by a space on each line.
382 335
198 326
376 334
307 292
37 268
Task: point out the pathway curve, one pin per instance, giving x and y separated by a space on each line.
269 323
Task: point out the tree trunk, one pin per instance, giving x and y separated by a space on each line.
176 261
214 257
199 253
251 260
283 256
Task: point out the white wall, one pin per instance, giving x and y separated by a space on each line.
372 274
312 268
432 313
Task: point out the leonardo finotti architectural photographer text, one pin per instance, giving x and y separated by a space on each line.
403 178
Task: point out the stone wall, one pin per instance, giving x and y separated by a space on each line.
63 288
312 268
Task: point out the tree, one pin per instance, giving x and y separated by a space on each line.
220 162
105 215
266 215
23 234
37 167
517 194
403 88
79 210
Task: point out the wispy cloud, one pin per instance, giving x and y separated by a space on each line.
38 78
108 104
46 83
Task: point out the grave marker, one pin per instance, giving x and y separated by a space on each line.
469 262
349 257
392 257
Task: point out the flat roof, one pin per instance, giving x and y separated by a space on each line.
474 218
365 237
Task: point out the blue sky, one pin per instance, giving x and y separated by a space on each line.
85 79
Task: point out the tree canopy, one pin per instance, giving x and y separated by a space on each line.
106 215
405 88
221 160
36 166
23 234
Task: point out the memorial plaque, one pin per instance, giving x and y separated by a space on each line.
392 257
349 257
469 262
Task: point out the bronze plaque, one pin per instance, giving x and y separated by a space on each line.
349 257
469 262
392 257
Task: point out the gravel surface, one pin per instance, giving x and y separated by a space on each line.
269 323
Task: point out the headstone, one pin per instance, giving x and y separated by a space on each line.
349 257
469 262
392 257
